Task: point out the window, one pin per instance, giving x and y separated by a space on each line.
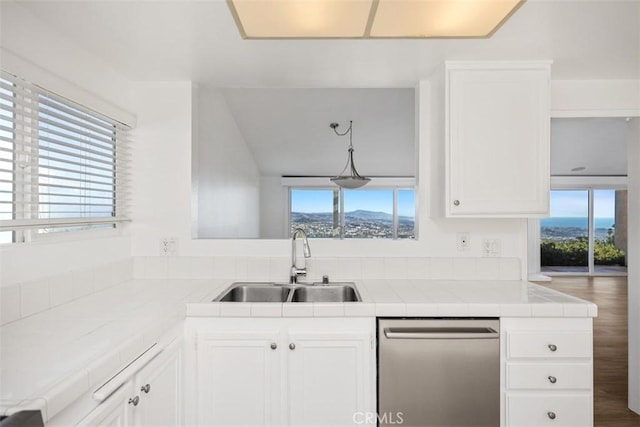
62 167
375 213
586 232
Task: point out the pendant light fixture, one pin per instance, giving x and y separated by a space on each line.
349 177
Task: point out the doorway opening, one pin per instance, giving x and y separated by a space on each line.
586 232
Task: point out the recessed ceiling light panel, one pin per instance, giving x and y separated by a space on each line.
272 19
440 18
299 19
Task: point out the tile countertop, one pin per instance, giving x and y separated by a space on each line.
50 359
417 298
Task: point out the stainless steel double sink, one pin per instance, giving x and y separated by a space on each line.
276 292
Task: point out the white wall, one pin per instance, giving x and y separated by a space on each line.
227 178
163 207
161 158
273 200
595 98
31 49
633 255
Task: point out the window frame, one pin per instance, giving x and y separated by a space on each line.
394 184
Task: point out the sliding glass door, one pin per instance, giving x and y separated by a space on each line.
586 232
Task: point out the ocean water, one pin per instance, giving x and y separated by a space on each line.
576 222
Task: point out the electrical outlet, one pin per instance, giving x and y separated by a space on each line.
464 244
491 247
168 246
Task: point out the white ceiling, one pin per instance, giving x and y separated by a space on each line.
198 40
288 132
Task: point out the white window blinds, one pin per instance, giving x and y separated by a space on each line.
62 166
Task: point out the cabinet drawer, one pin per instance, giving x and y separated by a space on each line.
549 344
524 410
549 376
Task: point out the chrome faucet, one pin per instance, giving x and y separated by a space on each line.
295 271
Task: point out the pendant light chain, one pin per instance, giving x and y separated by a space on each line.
354 180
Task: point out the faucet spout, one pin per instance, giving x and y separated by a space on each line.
297 272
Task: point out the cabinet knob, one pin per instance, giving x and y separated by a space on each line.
552 379
134 401
146 388
456 202
292 346
274 346
553 347
551 415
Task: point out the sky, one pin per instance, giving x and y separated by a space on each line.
371 200
575 203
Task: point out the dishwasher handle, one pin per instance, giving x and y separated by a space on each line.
442 333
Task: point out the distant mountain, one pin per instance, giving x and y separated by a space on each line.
357 215
368 216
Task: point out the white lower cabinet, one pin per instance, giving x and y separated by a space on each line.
151 398
113 412
159 386
284 371
547 372
537 410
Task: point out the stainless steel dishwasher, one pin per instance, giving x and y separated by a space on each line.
439 372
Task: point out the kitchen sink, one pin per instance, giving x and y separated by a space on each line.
274 292
255 292
326 293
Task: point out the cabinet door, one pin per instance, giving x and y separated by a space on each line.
239 378
113 412
498 141
329 376
159 385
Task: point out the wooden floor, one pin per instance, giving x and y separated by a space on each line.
609 345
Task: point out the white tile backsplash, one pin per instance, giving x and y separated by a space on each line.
373 268
279 269
418 268
180 267
82 283
156 267
395 268
28 298
35 297
258 269
345 268
224 268
349 268
510 268
61 289
441 269
10 302
464 269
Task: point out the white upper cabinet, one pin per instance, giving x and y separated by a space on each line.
497 139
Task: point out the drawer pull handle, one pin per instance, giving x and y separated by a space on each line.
553 347
146 388
134 401
551 415
552 379
274 346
